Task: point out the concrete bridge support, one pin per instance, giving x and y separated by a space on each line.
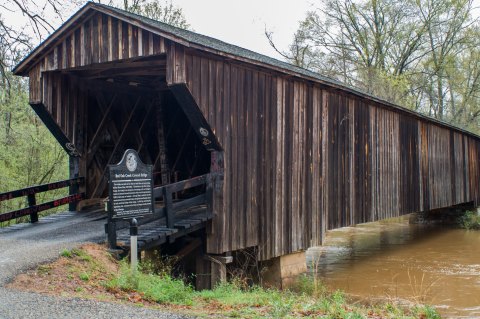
282 272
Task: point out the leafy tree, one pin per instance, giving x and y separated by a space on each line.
360 42
29 155
421 54
447 24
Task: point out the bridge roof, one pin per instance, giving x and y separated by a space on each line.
198 41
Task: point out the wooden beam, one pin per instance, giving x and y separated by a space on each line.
188 249
94 143
180 152
195 117
147 116
112 129
101 184
106 73
56 131
162 144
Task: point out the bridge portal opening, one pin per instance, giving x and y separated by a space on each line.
128 105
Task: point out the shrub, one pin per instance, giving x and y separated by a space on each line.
470 220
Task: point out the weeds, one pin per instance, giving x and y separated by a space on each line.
44 269
158 288
469 220
310 285
66 253
84 276
430 312
420 288
76 253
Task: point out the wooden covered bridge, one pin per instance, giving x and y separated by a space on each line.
285 153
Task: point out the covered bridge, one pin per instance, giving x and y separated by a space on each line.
293 153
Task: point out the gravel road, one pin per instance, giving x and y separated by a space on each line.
24 246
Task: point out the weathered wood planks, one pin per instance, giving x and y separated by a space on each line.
301 158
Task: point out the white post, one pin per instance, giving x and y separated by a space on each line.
133 252
133 244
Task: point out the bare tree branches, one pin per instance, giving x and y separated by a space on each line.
165 12
422 54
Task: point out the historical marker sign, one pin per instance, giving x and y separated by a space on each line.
130 187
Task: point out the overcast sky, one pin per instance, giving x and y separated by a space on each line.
243 22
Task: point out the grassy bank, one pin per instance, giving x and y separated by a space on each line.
91 273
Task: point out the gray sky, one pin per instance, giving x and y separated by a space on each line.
243 22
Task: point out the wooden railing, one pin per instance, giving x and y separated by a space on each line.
170 207
30 192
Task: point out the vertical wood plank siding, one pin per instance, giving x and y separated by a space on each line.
99 39
59 91
301 158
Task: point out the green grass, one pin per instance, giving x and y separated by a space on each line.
308 299
84 276
76 253
158 288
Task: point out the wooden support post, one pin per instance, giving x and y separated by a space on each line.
214 195
167 199
218 269
162 143
32 202
111 228
211 270
111 234
202 272
74 173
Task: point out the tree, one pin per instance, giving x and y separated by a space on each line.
29 154
447 24
166 12
414 53
360 41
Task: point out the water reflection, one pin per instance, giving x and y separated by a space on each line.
393 259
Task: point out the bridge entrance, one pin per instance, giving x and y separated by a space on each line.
97 112
127 105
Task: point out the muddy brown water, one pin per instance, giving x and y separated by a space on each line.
393 259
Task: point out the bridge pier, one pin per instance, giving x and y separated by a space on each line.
282 272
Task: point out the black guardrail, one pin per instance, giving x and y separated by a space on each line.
30 192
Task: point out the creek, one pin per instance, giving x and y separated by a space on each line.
396 260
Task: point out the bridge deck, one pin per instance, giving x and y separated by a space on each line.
150 234
156 232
